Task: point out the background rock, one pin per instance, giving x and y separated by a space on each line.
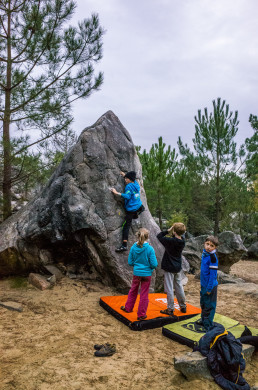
230 250
224 278
252 251
76 220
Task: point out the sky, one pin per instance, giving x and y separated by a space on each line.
163 60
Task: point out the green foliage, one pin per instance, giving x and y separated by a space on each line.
239 210
158 166
214 138
251 145
215 149
203 188
177 217
29 170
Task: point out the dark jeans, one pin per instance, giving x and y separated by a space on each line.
130 215
208 306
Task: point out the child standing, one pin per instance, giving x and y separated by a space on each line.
143 259
133 205
172 265
209 283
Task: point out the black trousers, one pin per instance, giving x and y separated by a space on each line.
129 216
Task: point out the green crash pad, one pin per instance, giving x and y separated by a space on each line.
188 332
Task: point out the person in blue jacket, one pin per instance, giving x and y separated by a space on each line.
143 259
133 205
209 283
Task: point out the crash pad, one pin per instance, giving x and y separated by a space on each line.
189 332
155 319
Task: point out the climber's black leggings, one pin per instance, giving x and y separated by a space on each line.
130 215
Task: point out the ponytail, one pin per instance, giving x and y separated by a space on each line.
142 235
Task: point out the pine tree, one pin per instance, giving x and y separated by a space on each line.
45 66
158 166
215 147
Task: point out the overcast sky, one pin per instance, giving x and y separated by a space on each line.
165 59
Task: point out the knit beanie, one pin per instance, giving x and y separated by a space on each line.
131 175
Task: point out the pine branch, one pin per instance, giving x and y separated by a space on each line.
34 64
42 139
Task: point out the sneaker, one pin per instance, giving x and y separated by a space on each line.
123 308
106 350
169 312
183 309
99 346
141 318
122 248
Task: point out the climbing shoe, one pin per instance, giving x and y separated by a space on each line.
141 318
183 309
99 346
122 248
123 308
106 350
169 312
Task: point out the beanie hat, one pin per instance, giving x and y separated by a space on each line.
131 175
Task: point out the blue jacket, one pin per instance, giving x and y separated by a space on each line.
143 259
209 268
132 196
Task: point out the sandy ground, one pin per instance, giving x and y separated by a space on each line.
49 346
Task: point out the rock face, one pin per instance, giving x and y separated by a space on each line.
253 251
76 219
230 250
193 365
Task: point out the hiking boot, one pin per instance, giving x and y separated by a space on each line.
122 248
183 309
99 346
169 312
106 350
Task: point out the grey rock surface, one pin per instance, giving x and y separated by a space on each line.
230 250
10 305
193 365
76 219
224 278
252 251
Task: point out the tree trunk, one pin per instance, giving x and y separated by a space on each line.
7 210
159 210
217 197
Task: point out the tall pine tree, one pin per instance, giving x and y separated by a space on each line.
45 66
215 146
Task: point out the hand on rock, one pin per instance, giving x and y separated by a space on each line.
114 191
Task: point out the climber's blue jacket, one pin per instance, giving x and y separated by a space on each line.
132 196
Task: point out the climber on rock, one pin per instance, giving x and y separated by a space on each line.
133 205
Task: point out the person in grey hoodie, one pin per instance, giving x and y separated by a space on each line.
143 259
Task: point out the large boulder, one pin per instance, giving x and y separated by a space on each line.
252 251
76 219
230 250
